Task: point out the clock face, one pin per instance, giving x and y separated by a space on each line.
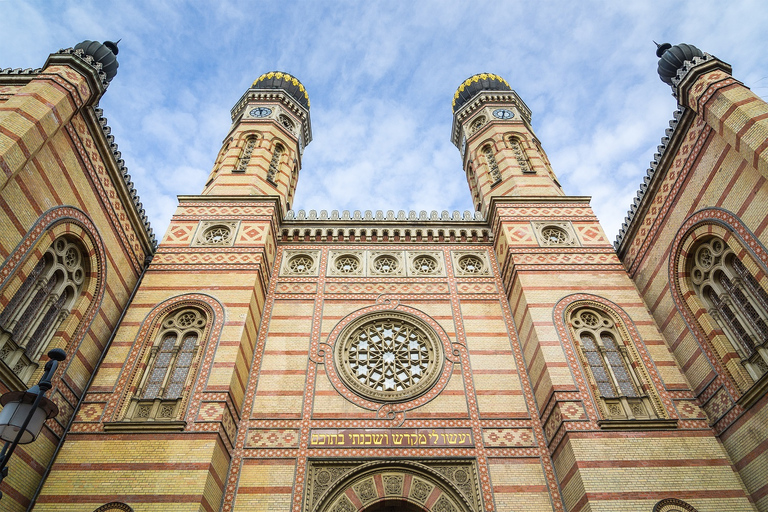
503 113
260 112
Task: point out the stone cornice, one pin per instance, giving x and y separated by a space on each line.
505 97
278 96
119 172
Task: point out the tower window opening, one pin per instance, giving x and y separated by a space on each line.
493 167
245 156
520 156
274 165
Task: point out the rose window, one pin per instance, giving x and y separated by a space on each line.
287 123
471 264
553 235
217 235
385 264
425 264
300 264
392 357
347 264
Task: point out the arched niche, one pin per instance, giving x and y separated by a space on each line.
384 486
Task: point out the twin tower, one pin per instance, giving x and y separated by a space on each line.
263 150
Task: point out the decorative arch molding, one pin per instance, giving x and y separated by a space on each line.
115 506
56 222
635 345
700 226
388 409
145 339
370 484
673 505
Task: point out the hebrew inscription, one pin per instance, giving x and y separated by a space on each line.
390 438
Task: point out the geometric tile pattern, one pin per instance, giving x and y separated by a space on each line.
282 438
211 411
718 405
90 412
503 437
689 410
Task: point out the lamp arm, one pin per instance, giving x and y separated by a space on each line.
43 386
23 429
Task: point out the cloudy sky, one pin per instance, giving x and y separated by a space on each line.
381 76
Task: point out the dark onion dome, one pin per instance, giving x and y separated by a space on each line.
672 58
475 84
106 54
284 81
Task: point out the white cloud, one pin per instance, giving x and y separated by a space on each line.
381 77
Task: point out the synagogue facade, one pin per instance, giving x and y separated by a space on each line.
260 358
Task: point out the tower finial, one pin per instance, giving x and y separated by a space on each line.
113 45
661 48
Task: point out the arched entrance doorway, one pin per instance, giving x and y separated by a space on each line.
394 486
394 506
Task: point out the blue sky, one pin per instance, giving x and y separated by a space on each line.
381 77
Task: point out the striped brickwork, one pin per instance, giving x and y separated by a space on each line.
246 164
543 282
539 179
57 179
712 183
513 420
228 284
293 392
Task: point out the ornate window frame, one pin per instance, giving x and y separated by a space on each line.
377 263
386 306
734 299
653 396
412 258
366 339
335 267
715 344
136 363
177 344
611 364
569 238
75 225
288 257
205 226
458 257
40 305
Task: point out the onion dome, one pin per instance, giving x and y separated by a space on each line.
672 58
473 85
284 81
105 54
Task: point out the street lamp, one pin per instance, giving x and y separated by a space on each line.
24 412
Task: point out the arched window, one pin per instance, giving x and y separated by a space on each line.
45 298
735 299
245 156
522 158
673 505
616 384
493 167
294 181
274 165
168 374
